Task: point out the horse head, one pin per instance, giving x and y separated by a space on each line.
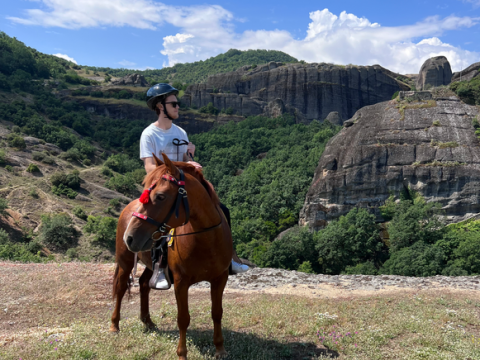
162 197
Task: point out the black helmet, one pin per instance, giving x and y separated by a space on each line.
155 93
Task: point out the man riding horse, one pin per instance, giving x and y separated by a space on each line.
163 136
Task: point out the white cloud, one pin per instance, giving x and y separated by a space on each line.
66 57
205 31
126 63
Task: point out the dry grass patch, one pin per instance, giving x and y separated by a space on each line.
62 311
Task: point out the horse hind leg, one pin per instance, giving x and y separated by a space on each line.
120 286
144 303
216 293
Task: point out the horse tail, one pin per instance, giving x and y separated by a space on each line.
116 280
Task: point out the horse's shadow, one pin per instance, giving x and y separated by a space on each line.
249 346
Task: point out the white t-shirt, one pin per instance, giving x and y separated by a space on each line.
155 140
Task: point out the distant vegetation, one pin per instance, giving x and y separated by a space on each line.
198 71
468 91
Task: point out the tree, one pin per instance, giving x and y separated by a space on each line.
420 259
292 250
352 239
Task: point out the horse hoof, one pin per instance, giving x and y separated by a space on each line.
114 329
220 354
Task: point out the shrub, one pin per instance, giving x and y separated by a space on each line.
72 253
19 252
122 163
87 162
3 157
16 141
291 251
33 193
64 190
306 267
475 123
72 154
138 175
32 168
104 228
394 96
106 171
229 111
420 259
4 207
71 180
9 168
38 156
114 203
4 238
79 212
436 123
124 184
57 232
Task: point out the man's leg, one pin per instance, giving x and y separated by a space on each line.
237 266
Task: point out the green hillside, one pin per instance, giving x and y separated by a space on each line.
198 71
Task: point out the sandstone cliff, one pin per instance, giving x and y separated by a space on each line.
309 91
426 142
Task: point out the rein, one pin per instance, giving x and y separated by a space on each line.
182 194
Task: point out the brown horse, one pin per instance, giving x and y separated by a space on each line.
204 255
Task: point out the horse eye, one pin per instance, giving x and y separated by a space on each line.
160 197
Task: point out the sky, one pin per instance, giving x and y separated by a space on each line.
149 34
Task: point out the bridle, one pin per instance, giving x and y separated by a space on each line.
182 195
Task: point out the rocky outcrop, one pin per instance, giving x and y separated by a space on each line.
436 71
334 118
429 146
467 74
309 91
136 80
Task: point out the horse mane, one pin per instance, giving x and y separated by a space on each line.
188 169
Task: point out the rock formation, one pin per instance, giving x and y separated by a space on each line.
427 145
310 91
334 118
467 74
131 80
434 72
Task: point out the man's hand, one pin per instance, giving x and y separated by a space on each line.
197 165
191 150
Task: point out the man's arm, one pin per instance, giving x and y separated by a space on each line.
149 163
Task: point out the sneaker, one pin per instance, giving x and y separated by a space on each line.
238 268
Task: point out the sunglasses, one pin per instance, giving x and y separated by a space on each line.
174 103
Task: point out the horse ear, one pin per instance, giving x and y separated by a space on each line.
172 169
158 162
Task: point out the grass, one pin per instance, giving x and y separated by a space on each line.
402 106
444 145
62 311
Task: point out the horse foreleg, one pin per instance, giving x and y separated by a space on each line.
120 286
216 292
144 293
183 318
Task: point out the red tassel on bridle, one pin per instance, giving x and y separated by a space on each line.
145 197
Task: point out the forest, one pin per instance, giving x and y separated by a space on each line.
197 72
260 167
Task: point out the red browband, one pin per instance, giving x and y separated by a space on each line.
145 197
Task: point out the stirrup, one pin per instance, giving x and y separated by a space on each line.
160 279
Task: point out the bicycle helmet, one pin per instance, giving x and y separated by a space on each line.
158 93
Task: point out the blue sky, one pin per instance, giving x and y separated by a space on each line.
399 35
